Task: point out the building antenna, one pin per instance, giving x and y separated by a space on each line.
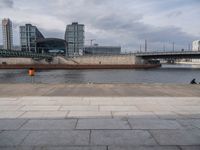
91 41
145 45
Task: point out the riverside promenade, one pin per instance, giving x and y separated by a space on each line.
99 117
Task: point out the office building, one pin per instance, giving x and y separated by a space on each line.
74 35
102 50
28 36
7 34
196 45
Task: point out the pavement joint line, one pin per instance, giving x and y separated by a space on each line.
129 124
149 131
59 108
67 114
179 147
29 132
48 92
76 124
112 115
21 114
20 108
27 120
90 137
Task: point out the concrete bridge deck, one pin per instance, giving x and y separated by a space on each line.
99 117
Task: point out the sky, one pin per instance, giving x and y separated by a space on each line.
125 23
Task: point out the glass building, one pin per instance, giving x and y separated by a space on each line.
74 35
7 34
52 45
28 36
102 50
196 45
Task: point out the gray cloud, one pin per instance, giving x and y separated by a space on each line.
110 22
6 3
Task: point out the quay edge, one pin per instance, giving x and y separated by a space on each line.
78 66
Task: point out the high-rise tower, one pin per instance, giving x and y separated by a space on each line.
7 34
28 36
74 35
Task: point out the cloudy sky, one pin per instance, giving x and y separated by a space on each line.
111 22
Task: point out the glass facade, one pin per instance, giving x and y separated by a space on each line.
52 45
7 34
28 36
74 35
102 50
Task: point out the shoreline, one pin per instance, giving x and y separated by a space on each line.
78 67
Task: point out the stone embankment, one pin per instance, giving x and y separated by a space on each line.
85 60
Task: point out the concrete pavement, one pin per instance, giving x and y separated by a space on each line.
99 90
99 123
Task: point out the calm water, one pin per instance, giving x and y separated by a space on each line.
166 74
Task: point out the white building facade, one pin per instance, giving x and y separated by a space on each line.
196 45
75 36
7 34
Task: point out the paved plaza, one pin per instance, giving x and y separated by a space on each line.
99 123
99 117
100 90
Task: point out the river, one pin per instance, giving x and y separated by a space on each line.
166 74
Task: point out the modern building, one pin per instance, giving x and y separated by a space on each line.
52 45
196 45
28 36
75 35
101 50
7 34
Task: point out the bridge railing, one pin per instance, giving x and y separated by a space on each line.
13 53
167 53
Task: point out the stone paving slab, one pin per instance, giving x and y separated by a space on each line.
154 124
118 108
18 148
135 115
50 124
167 115
190 123
76 148
121 137
177 137
57 138
102 124
143 148
89 114
10 107
190 147
44 114
40 108
80 108
10 114
12 138
11 124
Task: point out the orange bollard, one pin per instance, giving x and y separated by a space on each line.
31 72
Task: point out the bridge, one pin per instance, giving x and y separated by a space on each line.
21 54
169 55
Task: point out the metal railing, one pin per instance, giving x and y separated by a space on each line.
13 53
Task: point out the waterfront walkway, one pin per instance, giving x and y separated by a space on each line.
99 123
101 90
